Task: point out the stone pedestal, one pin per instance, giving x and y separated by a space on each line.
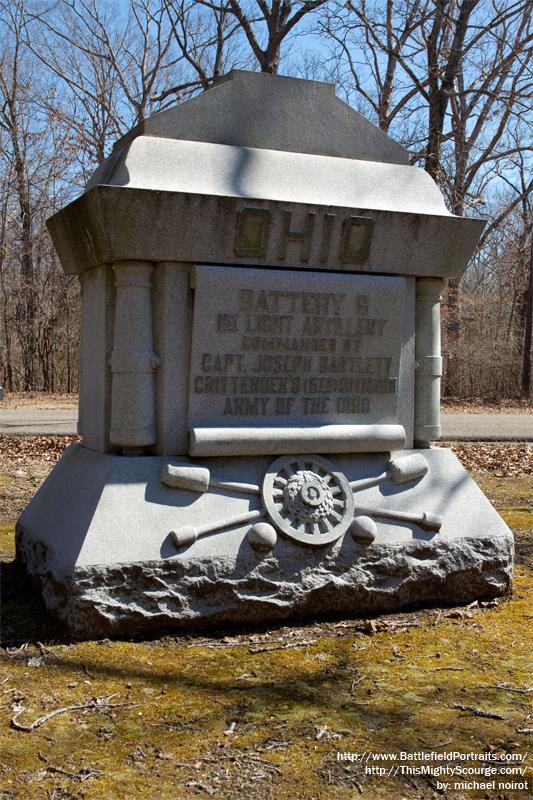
109 562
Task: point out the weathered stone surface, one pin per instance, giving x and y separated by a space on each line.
141 599
107 563
428 361
214 169
97 229
173 188
327 357
338 438
251 109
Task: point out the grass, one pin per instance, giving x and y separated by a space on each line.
199 717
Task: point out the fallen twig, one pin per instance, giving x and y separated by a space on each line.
504 687
450 669
261 761
478 712
438 744
397 624
286 646
83 775
45 651
12 651
277 744
95 704
198 785
238 756
398 654
225 645
356 682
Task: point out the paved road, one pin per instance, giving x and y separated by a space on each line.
462 427
488 427
23 421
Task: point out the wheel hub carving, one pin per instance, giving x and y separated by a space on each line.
308 499
307 496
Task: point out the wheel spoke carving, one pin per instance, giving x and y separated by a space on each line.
308 499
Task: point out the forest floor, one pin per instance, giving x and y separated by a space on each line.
43 401
264 713
478 405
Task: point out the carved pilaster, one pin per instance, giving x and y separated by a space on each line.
428 361
133 359
173 302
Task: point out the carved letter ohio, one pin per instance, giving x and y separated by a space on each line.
261 231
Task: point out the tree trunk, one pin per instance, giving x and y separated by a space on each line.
26 265
528 332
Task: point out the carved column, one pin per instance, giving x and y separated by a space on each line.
133 360
428 361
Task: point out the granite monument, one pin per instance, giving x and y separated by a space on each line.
260 364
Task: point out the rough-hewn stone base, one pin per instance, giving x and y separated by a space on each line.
141 599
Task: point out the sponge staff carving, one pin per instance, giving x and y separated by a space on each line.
306 498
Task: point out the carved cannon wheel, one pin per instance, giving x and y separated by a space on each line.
308 499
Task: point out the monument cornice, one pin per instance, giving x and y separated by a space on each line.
114 223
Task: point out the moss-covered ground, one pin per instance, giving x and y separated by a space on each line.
265 713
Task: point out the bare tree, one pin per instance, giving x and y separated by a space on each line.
453 77
371 50
495 302
108 66
232 34
14 123
449 76
277 20
528 327
6 347
116 70
33 165
206 39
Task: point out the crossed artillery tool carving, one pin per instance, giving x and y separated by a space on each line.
304 497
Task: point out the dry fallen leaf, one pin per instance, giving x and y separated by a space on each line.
502 459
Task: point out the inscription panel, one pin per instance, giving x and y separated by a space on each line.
275 348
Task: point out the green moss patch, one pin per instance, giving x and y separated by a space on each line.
506 491
521 518
7 537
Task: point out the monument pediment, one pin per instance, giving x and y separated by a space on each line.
273 112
